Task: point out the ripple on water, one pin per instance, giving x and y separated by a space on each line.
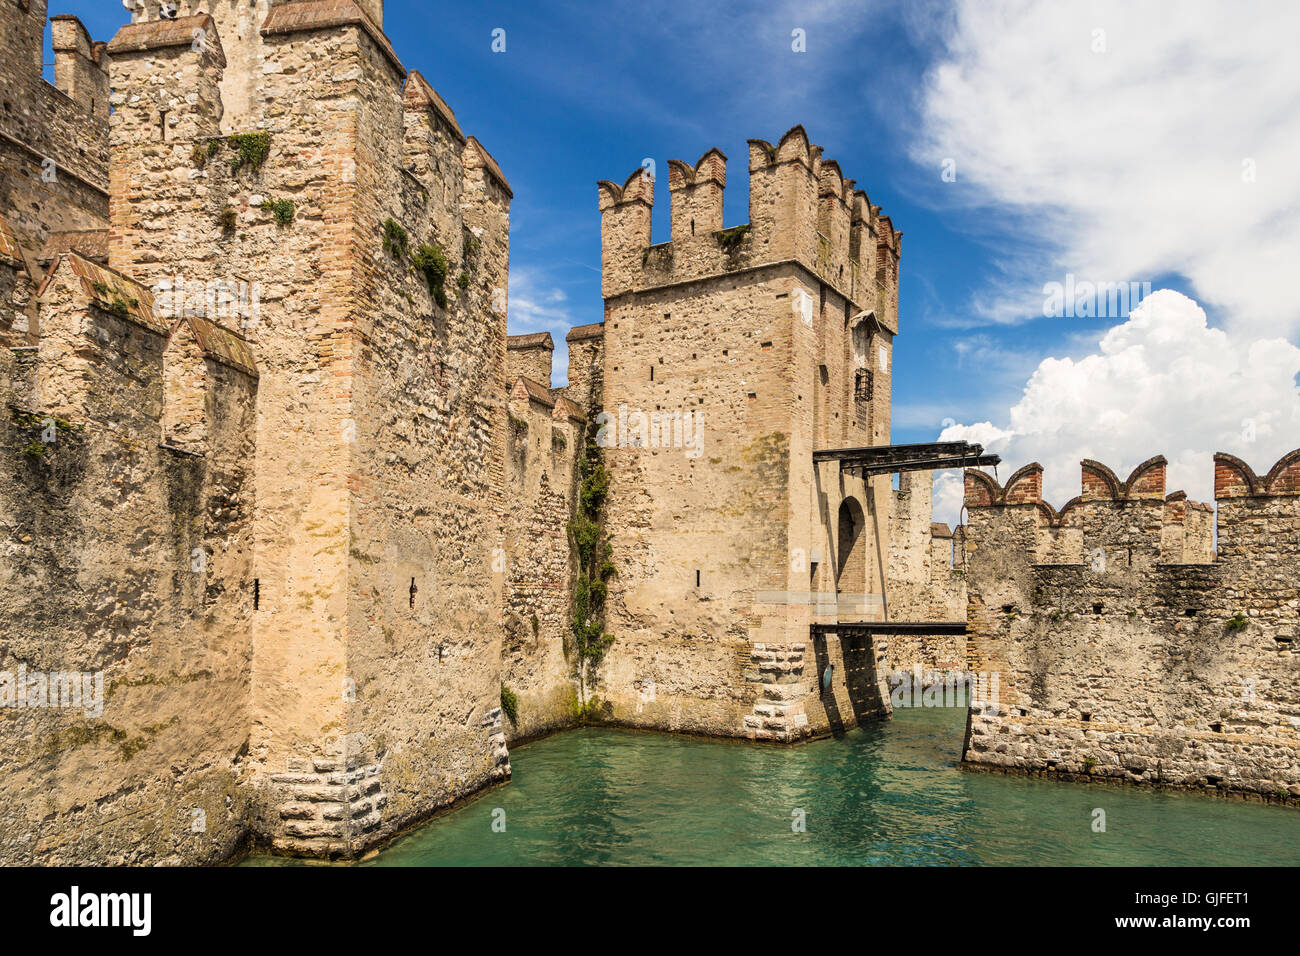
886 794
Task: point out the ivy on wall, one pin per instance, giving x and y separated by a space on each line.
594 569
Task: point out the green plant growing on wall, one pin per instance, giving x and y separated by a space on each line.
200 155
432 262
281 209
594 569
43 422
1236 623
34 449
518 426
469 248
462 280
395 239
730 239
510 704
583 713
1089 763
228 219
251 150
113 303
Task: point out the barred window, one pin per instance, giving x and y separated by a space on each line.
862 385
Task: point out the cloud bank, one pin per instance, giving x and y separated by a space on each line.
1162 382
1127 141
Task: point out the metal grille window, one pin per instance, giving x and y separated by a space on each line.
862 385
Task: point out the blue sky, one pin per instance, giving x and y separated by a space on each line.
1114 155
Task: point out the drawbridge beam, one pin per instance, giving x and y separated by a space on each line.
889 459
919 628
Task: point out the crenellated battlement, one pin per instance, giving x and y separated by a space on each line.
260 396
1135 515
1233 478
802 209
104 344
143 11
53 136
1129 648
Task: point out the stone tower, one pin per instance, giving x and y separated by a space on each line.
239 23
729 356
281 363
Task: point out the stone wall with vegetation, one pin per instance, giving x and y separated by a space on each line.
128 561
547 437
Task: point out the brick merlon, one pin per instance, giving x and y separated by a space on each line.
530 340
76 40
162 34
306 15
580 332
488 163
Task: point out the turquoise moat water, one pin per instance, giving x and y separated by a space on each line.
889 793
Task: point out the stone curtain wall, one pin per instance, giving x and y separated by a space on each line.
53 139
926 579
128 560
547 436
1121 659
726 557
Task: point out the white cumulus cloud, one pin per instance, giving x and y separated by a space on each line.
1121 140
1161 383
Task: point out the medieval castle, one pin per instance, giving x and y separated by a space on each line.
297 540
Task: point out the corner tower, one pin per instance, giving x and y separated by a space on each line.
302 159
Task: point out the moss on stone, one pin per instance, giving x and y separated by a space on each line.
510 704
431 261
396 239
251 150
730 239
282 209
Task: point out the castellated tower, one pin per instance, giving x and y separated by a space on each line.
262 399
376 640
728 357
